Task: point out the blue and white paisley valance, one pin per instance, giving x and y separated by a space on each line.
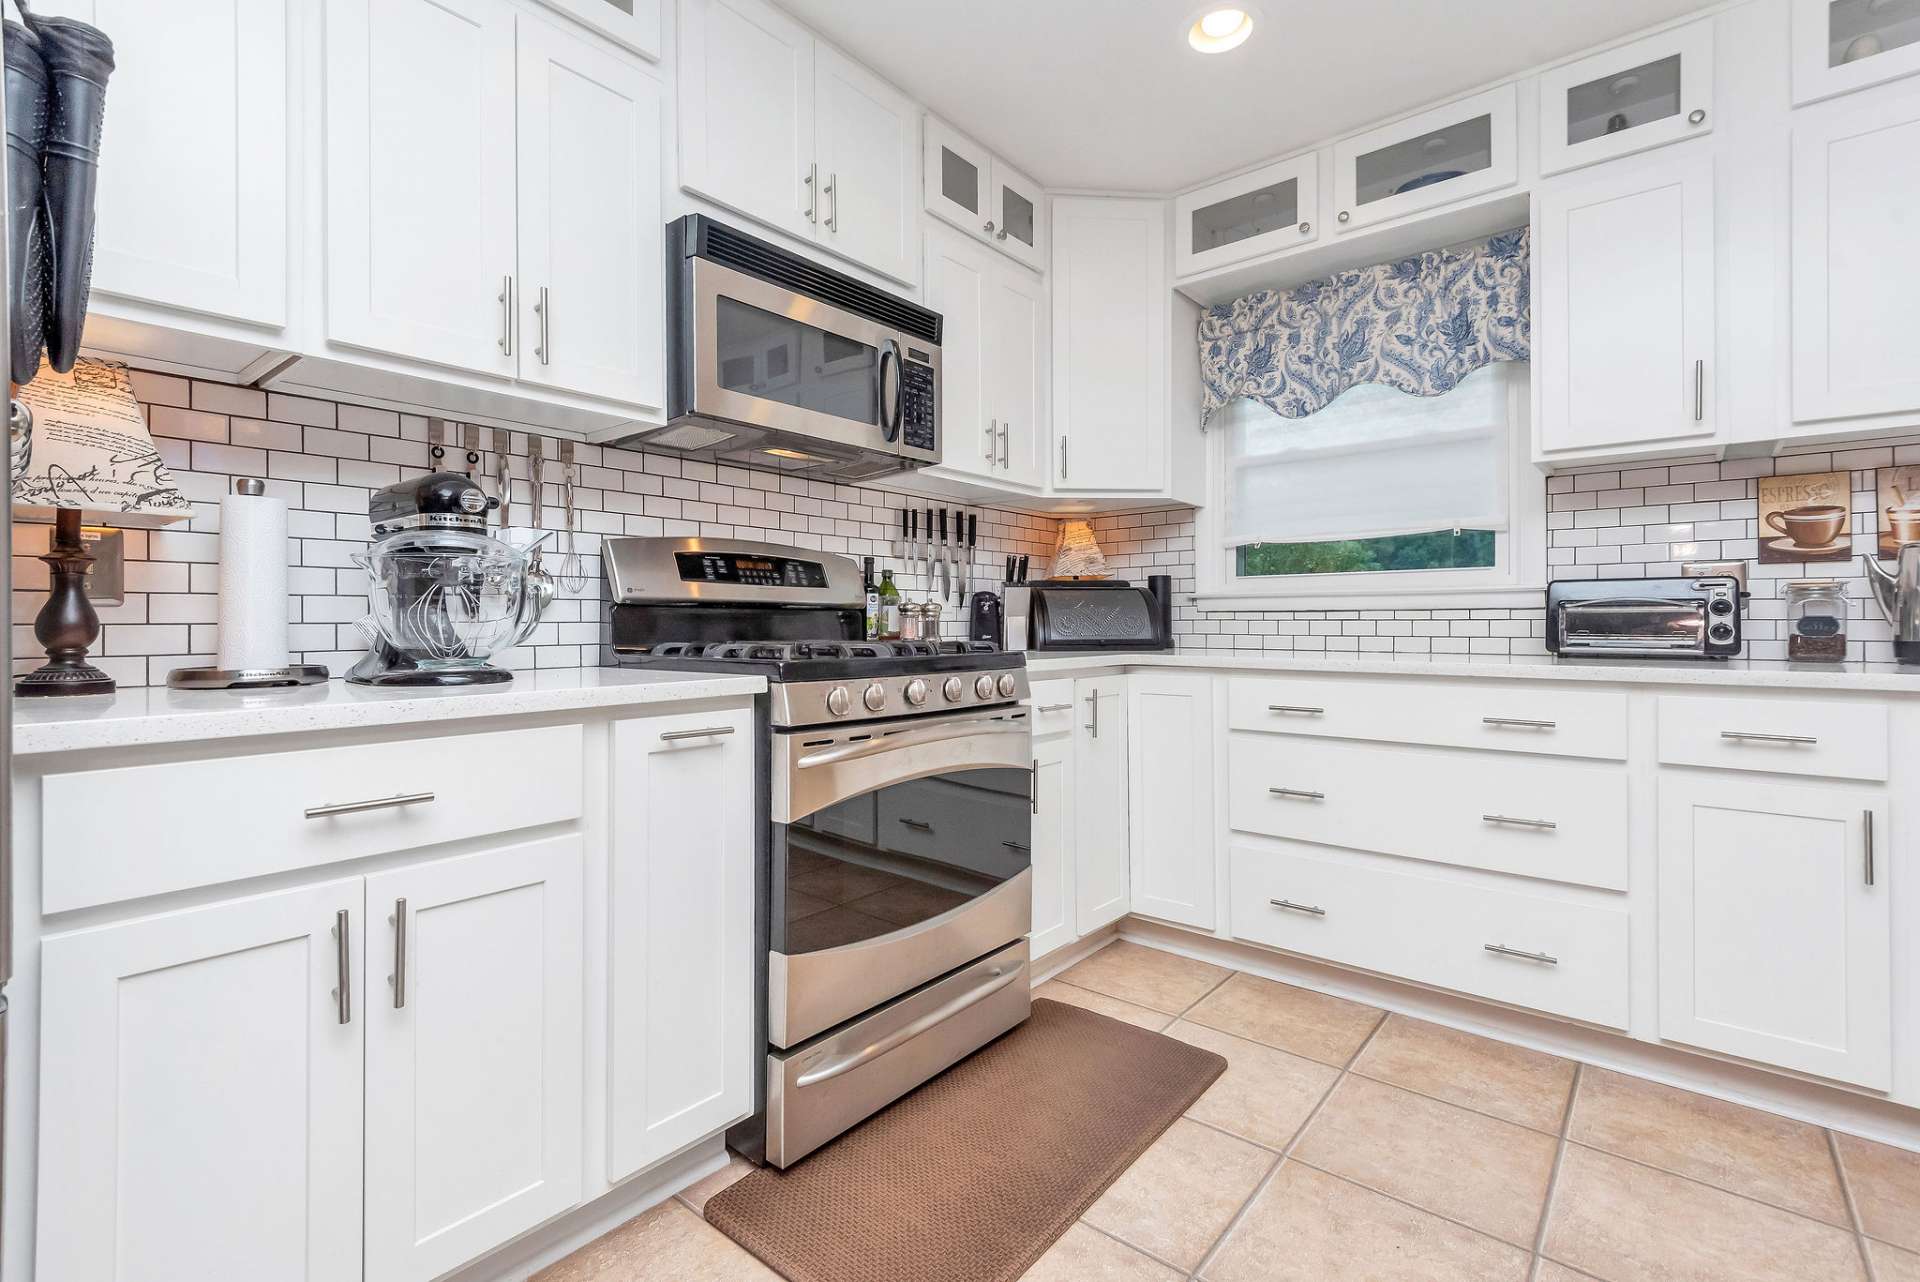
1419 324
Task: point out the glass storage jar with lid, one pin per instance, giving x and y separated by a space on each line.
1816 612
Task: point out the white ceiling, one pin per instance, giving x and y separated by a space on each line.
1106 94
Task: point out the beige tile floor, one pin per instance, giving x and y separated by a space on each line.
1343 1144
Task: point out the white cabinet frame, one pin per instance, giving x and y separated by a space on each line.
1814 78
1693 44
1304 171
1499 105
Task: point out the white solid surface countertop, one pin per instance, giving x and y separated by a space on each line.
155 715
1881 678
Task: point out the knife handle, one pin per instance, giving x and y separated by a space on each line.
911 519
943 525
973 529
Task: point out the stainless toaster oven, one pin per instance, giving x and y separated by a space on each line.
1684 618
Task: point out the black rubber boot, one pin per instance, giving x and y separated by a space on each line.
79 59
28 266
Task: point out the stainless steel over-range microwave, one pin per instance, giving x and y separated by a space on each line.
776 361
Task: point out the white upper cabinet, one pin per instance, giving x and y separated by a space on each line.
982 195
1450 153
1624 322
792 133
1843 45
1856 176
1110 347
991 399
590 224
1273 208
1643 94
1016 398
865 137
420 180
193 163
632 23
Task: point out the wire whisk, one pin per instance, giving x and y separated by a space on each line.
573 570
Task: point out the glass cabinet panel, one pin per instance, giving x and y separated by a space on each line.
1249 213
633 23
1427 160
1613 104
1266 211
1646 94
1843 45
1438 157
1862 29
1016 215
959 180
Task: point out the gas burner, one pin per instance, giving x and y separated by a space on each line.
792 651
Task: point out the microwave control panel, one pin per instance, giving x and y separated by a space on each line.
918 400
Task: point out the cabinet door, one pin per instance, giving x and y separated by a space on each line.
959 276
200 1093
1110 315
1843 45
957 176
680 1047
1643 94
746 111
632 23
1054 907
1747 867
1856 167
1262 212
1014 205
1016 328
1170 797
1624 348
591 303
866 138
474 1043
192 205
1100 831
1450 153
419 178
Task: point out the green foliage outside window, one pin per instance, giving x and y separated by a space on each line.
1436 550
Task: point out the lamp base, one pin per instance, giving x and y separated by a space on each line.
63 678
67 624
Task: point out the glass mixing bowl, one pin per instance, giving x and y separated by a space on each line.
450 600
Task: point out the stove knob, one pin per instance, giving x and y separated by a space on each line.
954 688
875 698
916 692
1008 685
839 702
983 686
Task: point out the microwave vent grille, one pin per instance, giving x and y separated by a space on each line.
730 248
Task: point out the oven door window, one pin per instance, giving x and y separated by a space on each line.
776 358
891 859
1662 624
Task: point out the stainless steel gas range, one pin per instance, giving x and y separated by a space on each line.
895 797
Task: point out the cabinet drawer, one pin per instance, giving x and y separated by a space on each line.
1556 820
1531 717
1436 932
132 831
1052 706
1781 736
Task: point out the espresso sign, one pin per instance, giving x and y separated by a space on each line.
1898 509
1806 518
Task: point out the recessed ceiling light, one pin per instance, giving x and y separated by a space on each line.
1218 30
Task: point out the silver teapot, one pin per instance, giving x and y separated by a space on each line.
1898 592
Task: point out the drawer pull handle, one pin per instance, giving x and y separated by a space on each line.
705 732
1299 793
343 965
1018 847
1866 819
1546 824
1312 910
1302 710
1518 723
918 825
1521 953
1056 707
399 920
1748 736
378 803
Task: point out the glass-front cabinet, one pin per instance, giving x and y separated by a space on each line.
981 194
1273 208
633 23
1451 153
1640 95
1842 45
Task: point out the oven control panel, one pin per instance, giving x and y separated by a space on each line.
819 703
755 571
918 400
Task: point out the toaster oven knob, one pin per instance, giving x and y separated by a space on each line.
839 702
1722 632
875 698
916 692
1721 605
954 688
1007 685
983 686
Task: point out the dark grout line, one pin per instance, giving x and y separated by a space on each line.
1853 1209
1553 1179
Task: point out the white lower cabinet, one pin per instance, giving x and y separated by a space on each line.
1170 797
680 1052
1776 924
200 1093
1101 883
474 1039
1053 845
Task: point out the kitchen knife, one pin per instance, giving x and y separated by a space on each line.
1009 575
1021 570
927 557
912 518
900 546
946 566
973 531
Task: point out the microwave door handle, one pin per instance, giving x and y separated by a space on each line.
890 423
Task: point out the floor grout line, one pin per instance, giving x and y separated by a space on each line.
1853 1209
1137 1250
1553 1179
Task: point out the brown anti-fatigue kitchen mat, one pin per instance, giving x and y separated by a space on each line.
973 1176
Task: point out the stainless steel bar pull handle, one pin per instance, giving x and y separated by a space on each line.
506 315
1522 953
993 425
1054 707
1519 723
1519 823
809 181
544 311
1699 390
343 965
1314 910
1866 817
1063 458
399 920
376 803
1018 847
1748 736
704 732
1033 787
1093 710
1006 451
918 825
1301 709
1302 793
832 194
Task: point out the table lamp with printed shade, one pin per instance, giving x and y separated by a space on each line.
1077 554
81 453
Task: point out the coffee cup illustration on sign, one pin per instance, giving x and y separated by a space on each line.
1899 509
1806 518
1813 526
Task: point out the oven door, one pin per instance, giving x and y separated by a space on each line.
1634 625
900 854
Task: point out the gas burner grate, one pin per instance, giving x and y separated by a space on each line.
782 651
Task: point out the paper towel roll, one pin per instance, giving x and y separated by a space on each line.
253 578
